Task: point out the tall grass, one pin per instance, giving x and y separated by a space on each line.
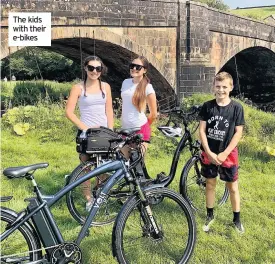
221 245
31 92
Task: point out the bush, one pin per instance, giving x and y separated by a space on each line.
47 120
32 92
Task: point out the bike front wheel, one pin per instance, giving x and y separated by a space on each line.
22 246
76 201
135 239
193 185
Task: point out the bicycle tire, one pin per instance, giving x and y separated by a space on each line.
76 201
192 186
170 211
24 240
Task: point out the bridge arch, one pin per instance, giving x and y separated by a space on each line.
224 46
115 48
253 71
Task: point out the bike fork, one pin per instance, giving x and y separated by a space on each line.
147 215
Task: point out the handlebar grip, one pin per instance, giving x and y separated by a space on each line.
116 140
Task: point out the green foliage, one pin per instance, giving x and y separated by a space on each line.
257 184
255 13
32 92
21 128
218 4
51 65
51 139
254 16
160 143
196 99
48 121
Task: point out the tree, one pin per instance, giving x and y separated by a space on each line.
52 65
218 4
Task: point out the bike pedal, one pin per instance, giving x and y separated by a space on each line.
161 176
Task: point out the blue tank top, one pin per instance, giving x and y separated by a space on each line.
93 108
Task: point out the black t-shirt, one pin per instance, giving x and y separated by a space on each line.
221 122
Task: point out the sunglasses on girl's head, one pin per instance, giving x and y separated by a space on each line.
137 66
92 68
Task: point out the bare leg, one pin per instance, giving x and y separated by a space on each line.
86 186
210 192
233 188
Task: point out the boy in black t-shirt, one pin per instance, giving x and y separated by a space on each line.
221 127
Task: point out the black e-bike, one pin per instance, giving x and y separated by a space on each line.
144 229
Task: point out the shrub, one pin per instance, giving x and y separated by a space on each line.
31 92
47 120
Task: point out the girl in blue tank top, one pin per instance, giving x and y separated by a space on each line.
95 104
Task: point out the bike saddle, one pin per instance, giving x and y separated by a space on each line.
128 131
17 172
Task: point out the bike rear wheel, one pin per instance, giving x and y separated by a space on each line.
193 184
76 199
134 238
22 246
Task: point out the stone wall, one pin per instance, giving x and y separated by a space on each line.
186 42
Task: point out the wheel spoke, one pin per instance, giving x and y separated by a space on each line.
140 242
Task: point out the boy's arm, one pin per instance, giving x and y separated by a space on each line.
211 155
233 143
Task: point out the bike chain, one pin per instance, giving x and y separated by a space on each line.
32 252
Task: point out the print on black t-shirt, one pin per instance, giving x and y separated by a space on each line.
220 123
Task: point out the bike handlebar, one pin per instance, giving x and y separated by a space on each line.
185 116
179 111
135 138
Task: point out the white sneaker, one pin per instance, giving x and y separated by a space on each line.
239 227
209 221
89 206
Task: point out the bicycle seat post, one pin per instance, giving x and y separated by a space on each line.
30 177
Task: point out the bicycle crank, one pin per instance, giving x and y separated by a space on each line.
66 253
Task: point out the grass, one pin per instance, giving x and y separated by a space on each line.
257 13
221 245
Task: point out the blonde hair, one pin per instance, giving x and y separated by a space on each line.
221 76
139 97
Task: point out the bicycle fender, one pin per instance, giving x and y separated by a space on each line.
5 198
8 211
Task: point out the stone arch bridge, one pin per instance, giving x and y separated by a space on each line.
186 42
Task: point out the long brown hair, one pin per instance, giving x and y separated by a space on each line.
104 70
139 97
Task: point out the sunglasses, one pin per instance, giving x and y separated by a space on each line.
92 68
137 66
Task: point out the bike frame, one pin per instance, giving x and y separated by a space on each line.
44 202
186 140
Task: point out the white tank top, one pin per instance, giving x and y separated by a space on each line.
93 108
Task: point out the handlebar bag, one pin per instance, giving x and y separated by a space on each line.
96 140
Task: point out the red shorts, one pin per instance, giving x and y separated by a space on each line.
228 170
145 130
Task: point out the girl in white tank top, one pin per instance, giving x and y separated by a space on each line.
95 104
93 96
